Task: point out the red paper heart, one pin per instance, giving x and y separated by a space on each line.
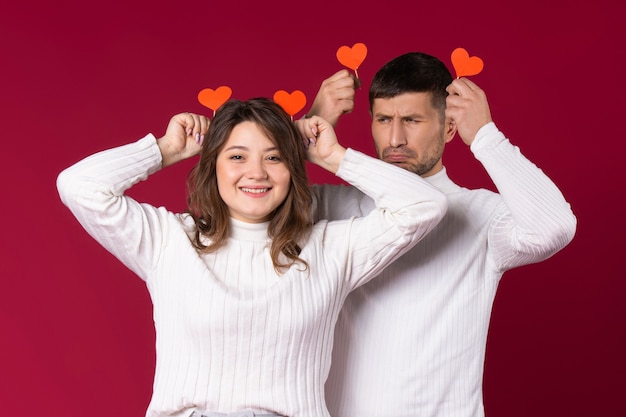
464 65
292 103
352 57
213 99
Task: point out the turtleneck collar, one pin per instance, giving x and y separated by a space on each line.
248 231
442 182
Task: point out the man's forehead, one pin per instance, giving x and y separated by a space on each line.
405 104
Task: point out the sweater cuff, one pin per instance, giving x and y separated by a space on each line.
150 141
152 154
487 136
348 158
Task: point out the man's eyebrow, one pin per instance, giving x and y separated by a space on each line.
403 116
413 116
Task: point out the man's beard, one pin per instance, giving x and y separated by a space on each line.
419 166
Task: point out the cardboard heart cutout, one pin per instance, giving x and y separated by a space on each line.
464 65
292 103
213 99
352 57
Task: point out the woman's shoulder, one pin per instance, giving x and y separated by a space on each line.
187 223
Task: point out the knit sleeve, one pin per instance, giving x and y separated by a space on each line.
535 220
93 189
407 208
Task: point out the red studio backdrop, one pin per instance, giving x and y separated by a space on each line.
78 77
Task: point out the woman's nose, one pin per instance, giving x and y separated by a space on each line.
256 170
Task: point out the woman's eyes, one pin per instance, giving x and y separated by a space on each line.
272 158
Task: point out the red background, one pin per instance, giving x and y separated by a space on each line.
77 77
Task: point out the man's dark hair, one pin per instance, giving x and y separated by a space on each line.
413 72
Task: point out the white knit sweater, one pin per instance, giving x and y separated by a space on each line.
231 333
412 342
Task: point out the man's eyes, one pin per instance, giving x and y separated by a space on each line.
404 119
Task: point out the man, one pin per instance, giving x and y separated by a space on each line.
412 343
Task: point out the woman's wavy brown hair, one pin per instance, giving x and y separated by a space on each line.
291 222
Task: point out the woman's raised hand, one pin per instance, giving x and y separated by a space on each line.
321 143
183 137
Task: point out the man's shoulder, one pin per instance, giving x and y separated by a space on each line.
338 191
339 201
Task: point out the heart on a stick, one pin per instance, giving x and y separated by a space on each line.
292 102
352 57
464 65
213 99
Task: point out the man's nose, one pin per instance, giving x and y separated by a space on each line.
397 136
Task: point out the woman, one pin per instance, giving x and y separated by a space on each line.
246 291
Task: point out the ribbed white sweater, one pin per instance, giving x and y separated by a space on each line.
231 334
412 342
